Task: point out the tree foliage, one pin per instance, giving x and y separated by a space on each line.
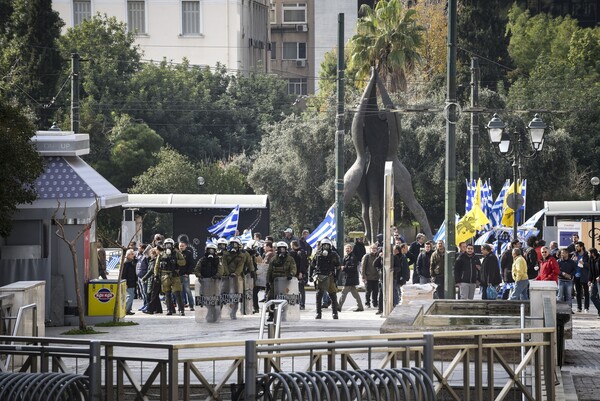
387 39
20 163
207 114
133 150
109 59
29 60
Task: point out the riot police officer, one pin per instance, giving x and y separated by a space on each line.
167 268
221 248
209 266
324 268
282 265
233 265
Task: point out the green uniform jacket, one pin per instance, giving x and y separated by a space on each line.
180 261
248 263
233 262
281 268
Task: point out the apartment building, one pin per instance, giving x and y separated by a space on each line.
231 32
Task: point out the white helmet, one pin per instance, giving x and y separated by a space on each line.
282 244
211 246
221 241
169 241
235 241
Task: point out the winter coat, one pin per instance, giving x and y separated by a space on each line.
465 269
490 270
549 270
349 270
519 269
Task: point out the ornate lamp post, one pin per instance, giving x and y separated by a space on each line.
513 150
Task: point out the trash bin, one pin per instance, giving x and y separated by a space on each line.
102 295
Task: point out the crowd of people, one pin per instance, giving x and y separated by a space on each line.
160 272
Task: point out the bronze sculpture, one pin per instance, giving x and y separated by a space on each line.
376 137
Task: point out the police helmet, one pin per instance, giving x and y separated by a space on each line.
282 244
235 241
169 241
326 243
221 243
211 246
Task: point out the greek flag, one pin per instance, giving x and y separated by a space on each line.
228 226
246 236
495 215
470 197
441 233
327 229
532 221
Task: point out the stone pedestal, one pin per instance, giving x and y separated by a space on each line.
538 291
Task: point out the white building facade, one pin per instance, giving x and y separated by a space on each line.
206 32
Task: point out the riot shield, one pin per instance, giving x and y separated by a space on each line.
261 275
208 300
247 299
231 295
288 290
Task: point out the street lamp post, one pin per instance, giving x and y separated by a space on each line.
594 181
513 150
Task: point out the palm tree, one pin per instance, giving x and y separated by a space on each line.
387 39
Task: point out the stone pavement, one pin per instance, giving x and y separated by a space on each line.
582 358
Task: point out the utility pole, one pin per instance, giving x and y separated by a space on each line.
474 170
339 143
450 188
75 92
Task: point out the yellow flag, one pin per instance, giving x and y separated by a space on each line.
472 221
508 214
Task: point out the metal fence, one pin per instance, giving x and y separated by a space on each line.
466 364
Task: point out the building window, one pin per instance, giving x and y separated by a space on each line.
190 17
272 13
136 16
294 13
82 10
294 51
297 86
273 50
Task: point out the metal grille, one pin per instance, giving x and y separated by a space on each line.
136 16
190 17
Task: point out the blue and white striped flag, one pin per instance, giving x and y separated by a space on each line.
441 233
113 260
470 197
496 213
246 236
228 226
532 221
327 229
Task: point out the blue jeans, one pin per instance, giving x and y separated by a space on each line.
129 299
186 291
565 291
520 290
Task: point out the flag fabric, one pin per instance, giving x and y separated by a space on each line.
471 222
521 211
441 233
484 237
532 221
470 196
487 199
113 260
327 229
228 226
246 236
508 214
496 212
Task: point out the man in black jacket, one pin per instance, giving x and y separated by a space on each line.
130 277
466 272
413 253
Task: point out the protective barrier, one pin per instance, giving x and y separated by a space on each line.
347 385
43 387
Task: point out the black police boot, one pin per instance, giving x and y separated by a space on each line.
179 300
169 301
334 305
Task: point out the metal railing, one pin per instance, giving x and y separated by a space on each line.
178 371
